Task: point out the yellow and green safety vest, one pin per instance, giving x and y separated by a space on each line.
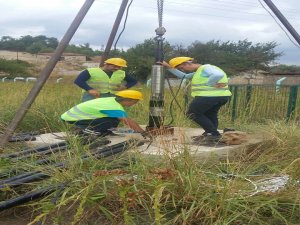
101 82
200 88
90 110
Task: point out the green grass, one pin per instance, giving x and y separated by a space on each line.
52 101
134 189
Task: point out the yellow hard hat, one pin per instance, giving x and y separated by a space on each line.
179 60
117 62
130 94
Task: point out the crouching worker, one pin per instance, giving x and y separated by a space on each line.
99 115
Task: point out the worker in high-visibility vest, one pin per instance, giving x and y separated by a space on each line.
209 87
99 115
104 81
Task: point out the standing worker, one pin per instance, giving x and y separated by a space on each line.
104 81
99 115
209 87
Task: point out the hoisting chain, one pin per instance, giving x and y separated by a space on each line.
160 9
160 31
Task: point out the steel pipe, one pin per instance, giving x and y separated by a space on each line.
156 103
113 31
45 73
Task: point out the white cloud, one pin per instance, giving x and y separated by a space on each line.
185 21
21 31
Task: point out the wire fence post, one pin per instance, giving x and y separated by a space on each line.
234 103
248 94
292 101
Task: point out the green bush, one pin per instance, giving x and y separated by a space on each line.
15 67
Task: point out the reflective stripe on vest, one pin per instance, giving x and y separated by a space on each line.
90 110
80 115
100 81
200 88
207 88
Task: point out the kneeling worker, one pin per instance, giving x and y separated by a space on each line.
101 114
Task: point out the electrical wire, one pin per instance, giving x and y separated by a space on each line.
231 8
279 25
124 25
225 6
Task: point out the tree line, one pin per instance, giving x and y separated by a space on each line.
42 44
233 57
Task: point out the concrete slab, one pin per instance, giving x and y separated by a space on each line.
170 145
48 138
181 140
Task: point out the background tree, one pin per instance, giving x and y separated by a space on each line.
29 44
141 57
235 57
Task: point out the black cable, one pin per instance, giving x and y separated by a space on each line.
35 150
17 177
101 153
44 153
124 25
174 99
27 197
29 177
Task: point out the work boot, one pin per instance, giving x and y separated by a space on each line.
97 133
228 129
208 140
94 141
87 131
200 137
109 133
77 131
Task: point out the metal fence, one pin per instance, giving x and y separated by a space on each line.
260 102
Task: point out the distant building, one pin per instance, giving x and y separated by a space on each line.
12 55
266 78
291 78
65 56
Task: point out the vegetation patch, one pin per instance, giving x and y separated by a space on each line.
131 188
15 67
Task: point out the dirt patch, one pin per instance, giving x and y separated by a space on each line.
18 216
70 66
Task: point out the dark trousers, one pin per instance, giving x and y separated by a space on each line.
204 111
100 125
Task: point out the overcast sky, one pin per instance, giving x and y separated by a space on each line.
185 22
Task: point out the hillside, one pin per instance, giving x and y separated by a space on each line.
70 63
